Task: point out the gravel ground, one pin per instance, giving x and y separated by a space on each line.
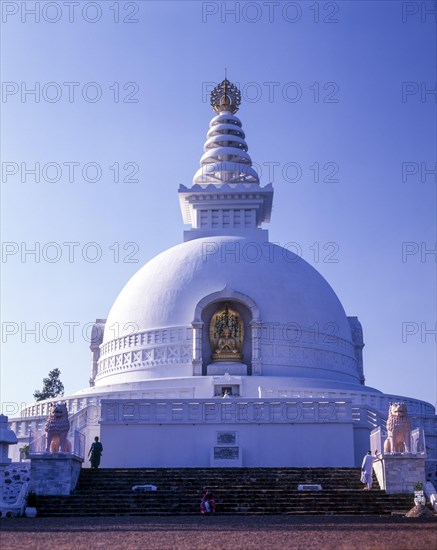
221 533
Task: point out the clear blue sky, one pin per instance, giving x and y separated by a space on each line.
322 86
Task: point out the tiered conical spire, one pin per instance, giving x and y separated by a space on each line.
226 198
226 159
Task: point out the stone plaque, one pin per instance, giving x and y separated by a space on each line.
226 438
226 453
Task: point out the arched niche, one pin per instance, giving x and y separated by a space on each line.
249 312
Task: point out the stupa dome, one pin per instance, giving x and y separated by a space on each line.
305 331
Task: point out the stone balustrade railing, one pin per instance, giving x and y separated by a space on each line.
212 411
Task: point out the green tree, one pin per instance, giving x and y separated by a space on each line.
52 386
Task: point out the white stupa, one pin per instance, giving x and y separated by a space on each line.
227 313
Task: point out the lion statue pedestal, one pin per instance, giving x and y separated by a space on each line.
399 467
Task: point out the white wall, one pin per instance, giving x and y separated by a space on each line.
182 445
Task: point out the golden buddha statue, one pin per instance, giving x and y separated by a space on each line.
226 335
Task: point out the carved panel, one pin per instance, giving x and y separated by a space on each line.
226 438
226 453
172 353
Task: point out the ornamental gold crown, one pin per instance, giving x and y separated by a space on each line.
225 97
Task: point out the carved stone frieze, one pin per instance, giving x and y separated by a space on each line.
145 359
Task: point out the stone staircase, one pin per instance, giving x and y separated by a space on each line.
108 492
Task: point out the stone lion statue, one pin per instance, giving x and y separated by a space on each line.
57 427
398 429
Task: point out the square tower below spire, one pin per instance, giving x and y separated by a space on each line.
226 210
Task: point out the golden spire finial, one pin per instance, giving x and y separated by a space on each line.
225 97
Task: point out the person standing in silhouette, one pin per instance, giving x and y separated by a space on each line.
95 453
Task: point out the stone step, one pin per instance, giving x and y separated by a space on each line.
251 491
190 475
215 473
332 499
240 475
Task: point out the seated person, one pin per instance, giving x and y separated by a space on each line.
207 504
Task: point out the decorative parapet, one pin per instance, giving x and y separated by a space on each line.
38 445
139 340
238 411
417 446
146 350
276 343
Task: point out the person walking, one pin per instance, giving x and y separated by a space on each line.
95 452
366 471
